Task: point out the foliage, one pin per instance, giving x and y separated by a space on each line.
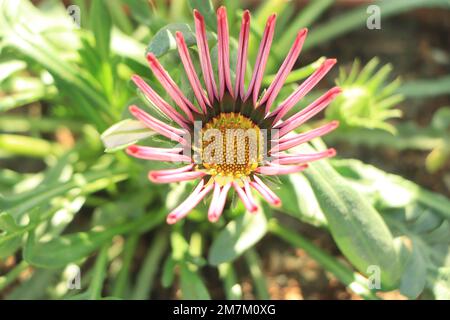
65 203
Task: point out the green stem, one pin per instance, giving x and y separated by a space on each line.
95 289
28 146
352 280
12 123
129 249
146 277
12 275
233 290
253 262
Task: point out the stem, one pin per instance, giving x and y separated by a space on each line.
12 123
28 146
253 262
129 249
146 276
12 275
95 289
351 279
233 290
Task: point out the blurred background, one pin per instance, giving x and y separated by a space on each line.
65 69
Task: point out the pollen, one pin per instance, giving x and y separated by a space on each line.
231 147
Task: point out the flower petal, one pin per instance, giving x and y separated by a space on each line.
157 125
305 114
285 69
172 89
161 154
159 102
239 90
288 141
205 59
265 191
223 52
249 203
274 169
261 60
191 73
193 200
303 89
302 158
155 177
218 201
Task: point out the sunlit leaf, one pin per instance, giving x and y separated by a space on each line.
238 235
123 134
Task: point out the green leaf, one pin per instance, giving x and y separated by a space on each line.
33 42
358 17
10 67
145 280
424 88
168 272
17 205
60 251
8 227
440 283
123 134
35 288
238 235
303 19
357 228
65 249
165 41
388 190
101 24
7 223
417 216
298 199
206 8
192 286
415 275
27 146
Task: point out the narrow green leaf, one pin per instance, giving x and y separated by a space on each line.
426 88
168 272
60 251
145 280
358 17
101 24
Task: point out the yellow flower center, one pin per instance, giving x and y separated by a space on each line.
231 147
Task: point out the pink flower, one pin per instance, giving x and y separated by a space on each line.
225 107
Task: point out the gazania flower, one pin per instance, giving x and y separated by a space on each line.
241 160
